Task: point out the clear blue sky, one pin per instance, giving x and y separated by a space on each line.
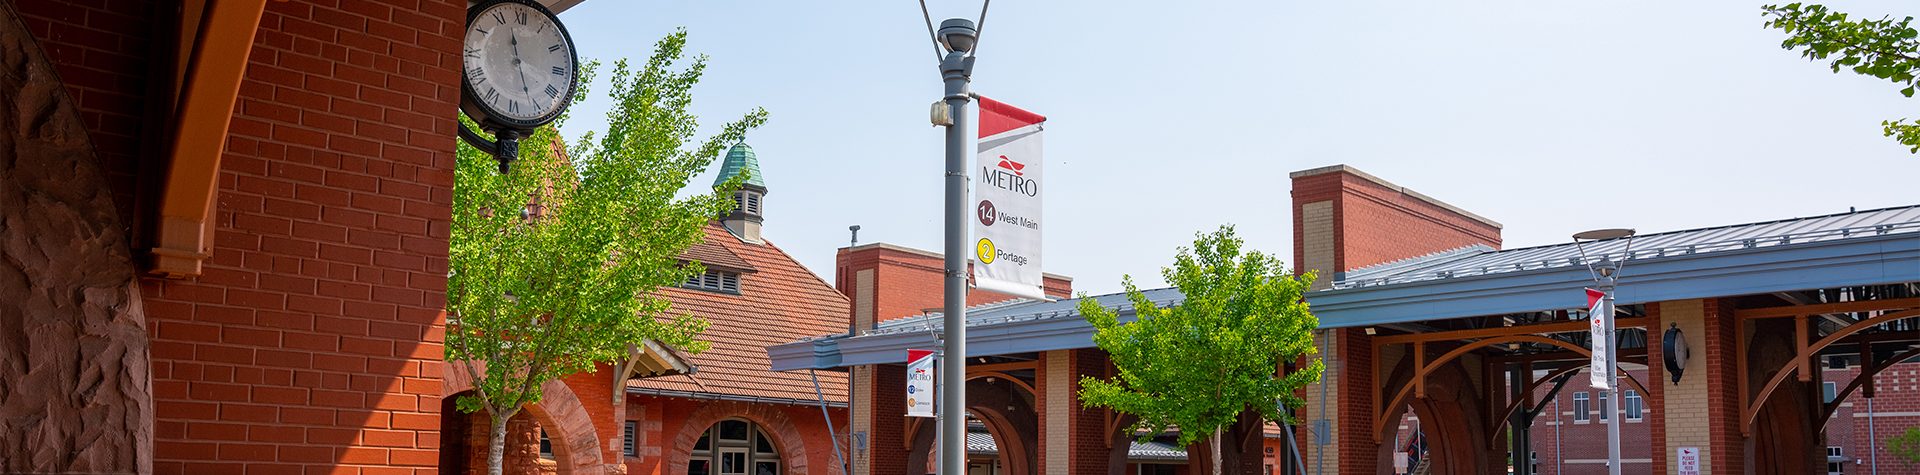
1168 118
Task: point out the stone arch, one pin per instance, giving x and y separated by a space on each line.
73 306
786 437
559 411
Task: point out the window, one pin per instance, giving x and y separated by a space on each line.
1580 408
734 447
1828 391
1631 400
715 280
1836 362
1603 406
747 202
546 446
627 445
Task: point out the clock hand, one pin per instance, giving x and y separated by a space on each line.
515 41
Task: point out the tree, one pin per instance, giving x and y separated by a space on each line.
1200 364
1885 48
1906 445
553 265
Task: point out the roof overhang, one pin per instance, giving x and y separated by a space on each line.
652 359
1887 259
1884 259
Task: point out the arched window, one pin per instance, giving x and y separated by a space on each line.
734 447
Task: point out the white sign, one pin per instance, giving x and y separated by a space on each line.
1602 337
1006 210
1689 460
919 383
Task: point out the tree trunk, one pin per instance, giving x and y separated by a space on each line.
497 446
1216 451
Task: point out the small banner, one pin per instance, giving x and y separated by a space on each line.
1006 224
919 383
1602 337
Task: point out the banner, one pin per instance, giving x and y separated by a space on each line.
1602 336
919 383
1006 224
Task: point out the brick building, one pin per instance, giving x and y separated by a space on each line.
225 229
227 226
1426 320
709 413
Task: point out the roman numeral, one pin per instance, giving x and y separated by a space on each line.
551 92
473 52
513 106
491 96
543 27
483 31
520 17
500 17
477 74
553 48
559 71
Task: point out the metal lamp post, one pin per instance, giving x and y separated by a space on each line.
954 41
1606 276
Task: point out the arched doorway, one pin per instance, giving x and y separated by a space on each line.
735 447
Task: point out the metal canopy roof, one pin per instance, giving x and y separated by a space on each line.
981 443
1859 248
1481 260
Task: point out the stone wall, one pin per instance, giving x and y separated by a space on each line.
75 393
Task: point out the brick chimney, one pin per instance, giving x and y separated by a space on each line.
886 281
1345 219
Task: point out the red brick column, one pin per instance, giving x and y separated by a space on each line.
1353 416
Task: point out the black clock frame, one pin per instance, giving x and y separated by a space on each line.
507 131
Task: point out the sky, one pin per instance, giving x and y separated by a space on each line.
1171 118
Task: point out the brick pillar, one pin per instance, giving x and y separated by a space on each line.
1087 436
1053 388
1702 410
1343 399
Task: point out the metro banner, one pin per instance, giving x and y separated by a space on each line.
919 383
1006 224
1601 332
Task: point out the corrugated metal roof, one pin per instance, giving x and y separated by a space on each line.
1471 262
1020 310
981 443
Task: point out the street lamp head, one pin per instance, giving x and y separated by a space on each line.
958 35
1600 234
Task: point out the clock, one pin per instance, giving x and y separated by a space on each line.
518 66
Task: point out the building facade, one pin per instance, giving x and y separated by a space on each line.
1426 321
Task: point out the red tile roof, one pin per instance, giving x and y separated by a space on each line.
781 302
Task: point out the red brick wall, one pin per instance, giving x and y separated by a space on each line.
1354 412
312 338
908 283
106 56
1375 223
1588 440
1896 405
1728 447
794 427
595 389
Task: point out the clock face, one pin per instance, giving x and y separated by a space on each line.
519 63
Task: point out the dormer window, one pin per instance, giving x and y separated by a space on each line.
715 281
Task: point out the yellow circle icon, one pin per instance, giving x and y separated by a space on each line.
985 251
